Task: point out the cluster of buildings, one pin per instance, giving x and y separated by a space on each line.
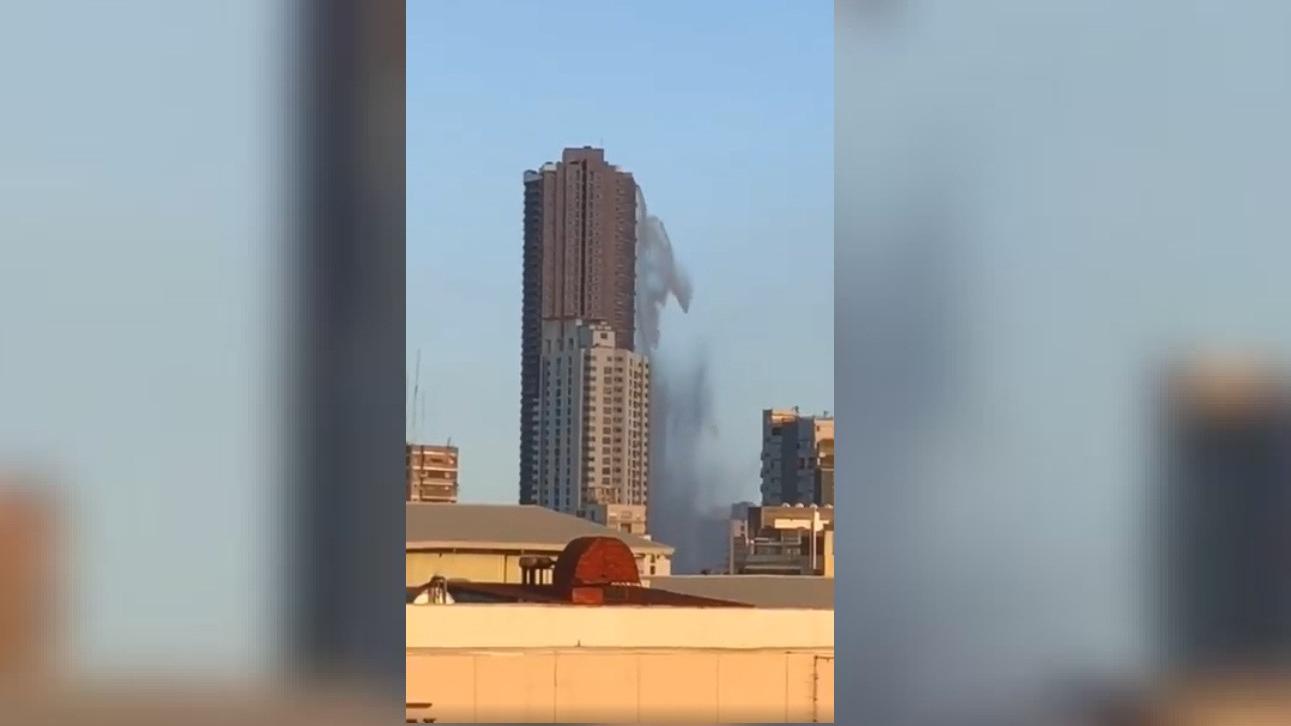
570 578
791 532
585 389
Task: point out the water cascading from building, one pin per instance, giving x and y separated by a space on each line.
684 475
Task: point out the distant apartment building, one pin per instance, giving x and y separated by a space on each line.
579 262
797 458
629 518
593 423
431 473
782 540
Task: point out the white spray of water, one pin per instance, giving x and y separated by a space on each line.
684 476
658 277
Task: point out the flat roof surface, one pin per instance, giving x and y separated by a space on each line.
762 591
505 526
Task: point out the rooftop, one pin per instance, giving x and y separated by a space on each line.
803 592
506 526
589 571
499 593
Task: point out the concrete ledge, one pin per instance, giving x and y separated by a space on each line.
508 626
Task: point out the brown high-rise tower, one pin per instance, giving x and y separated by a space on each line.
579 262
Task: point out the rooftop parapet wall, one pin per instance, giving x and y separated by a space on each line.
518 626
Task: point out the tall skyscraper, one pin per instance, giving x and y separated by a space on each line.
797 458
579 262
1223 511
593 424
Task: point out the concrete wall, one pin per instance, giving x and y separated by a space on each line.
419 567
509 626
618 686
562 663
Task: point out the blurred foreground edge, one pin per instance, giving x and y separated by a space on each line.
163 704
341 624
36 689
1234 699
344 619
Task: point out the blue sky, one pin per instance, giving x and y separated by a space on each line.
1115 175
724 113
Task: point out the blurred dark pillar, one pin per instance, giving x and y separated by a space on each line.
1226 509
345 504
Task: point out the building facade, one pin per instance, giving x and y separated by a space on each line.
782 540
593 421
431 473
797 458
630 518
579 262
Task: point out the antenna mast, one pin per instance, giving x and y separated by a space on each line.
416 397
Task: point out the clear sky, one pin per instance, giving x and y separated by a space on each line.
137 287
1113 179
724 113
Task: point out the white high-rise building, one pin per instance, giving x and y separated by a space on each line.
593 421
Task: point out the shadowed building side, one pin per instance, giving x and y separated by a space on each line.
579 262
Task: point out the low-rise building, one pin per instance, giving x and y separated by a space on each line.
784 540
490 542
797 458
431 473
630 518
803 592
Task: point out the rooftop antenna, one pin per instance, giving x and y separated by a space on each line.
416 396
421 414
